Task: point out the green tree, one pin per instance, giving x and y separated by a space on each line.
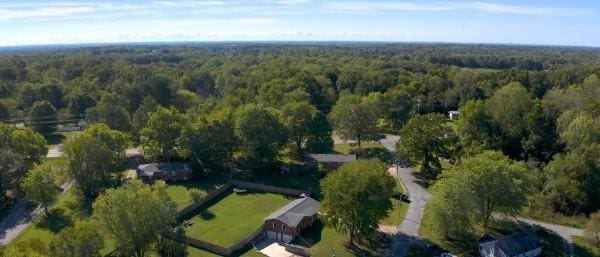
259 132
82 240
110 111
173 247
426 138
508 108
135 230
40 186
208 144
493 183
592 228
4 113
115 141
319 138
89 163
354 118
140 116
53 93
20 150
201 83
159 137
42 117
296 117
343 206
475 127
447 208
574 181
79 102
541 141
185 100
582 131
397 107
33 247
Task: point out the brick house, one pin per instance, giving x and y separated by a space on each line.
289 221
173 171
329 161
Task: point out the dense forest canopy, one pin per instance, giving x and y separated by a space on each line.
533 103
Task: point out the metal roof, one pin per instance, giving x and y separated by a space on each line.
519 243
295 211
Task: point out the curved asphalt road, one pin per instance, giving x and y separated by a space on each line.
409 228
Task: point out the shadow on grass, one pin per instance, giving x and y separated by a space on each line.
306 182
367 246
55 221
206 215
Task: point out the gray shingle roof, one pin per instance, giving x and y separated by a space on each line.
519 243
338 158
295 211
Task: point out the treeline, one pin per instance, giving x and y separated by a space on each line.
244 103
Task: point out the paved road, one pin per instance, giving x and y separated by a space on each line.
408 231
20 217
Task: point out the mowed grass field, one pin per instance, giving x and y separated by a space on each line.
234 217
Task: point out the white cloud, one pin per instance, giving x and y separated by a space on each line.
293 2
374 6
44 12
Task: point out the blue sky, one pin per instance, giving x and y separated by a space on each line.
549 22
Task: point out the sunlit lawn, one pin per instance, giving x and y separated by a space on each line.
234 217
180 192
399 210
585 247
347 147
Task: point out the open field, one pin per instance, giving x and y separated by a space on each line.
234 217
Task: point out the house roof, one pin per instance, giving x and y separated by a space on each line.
519 243
172 167
295 211
339 158
486 238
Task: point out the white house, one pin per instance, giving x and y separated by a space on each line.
453 115
523 244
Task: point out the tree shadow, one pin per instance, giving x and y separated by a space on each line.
311 236
206 215
584 251
55 221
375 244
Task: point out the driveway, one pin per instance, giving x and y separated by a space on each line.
20 217
54 151
408 231
271 248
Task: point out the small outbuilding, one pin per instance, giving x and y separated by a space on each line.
288 222
453 115
329 161
173 171
523 244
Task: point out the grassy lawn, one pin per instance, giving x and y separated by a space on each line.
180 192
234 217
347 147
322 241
194 252
400 208
584 247
554 218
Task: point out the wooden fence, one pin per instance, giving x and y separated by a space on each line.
257 235
269 189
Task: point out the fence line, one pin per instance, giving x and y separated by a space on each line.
258 234
269 189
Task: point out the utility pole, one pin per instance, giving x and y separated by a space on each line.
418 106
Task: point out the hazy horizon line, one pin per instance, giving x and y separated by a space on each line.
275 41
